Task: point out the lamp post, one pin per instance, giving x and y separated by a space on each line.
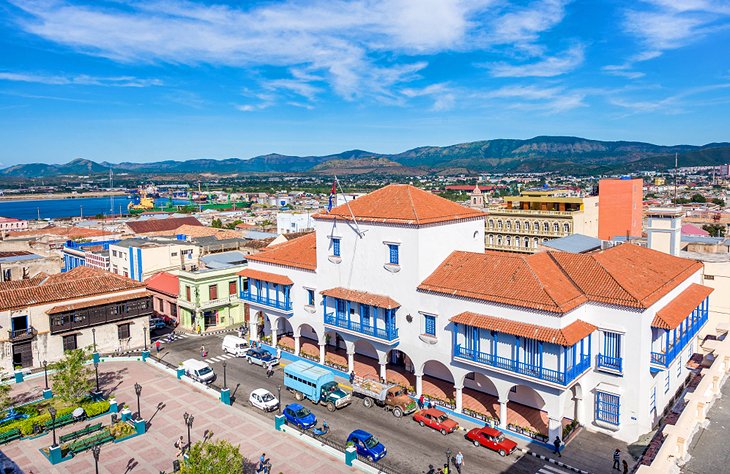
448 457
144 331
138 391
45 372
95 450
52 411
278 389
225 380
93 335
189 423
96 370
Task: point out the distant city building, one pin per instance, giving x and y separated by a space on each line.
89 254
288 222
8 224
664 229
21 265
164 288
537 216
139 259
46 315
155 226
620 207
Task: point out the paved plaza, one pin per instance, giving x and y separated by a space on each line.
154 451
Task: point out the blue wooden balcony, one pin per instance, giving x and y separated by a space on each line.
693 324
389 333
610 363
563 377
284 305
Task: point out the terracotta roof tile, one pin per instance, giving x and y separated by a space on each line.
71 233
161 225
99 301
625 275
297 253
265 276
362 297
672 315
566 336
164 282
401 204
77 283
193 231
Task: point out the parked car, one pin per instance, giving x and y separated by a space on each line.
157 323
492 439
263 400
367 445
198 371
235 345
387 395
436 419
259 356
297 415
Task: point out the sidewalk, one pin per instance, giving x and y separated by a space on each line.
154 451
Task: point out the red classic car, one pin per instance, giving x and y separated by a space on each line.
436 419
492 439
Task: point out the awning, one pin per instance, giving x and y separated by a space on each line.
265 276
566 336
672 315
362 297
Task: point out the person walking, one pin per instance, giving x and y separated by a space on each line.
278 352
157 346
202 352
458 461
617 459
431 469
557 444
352 377
269 371
180 445
445 470
420 402
626 466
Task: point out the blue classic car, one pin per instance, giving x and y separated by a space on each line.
259 356
367 445
299 416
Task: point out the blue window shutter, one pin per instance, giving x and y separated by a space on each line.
430 324
393 254
336 247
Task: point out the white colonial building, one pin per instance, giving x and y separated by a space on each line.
400 274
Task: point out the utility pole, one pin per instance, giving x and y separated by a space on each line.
676 161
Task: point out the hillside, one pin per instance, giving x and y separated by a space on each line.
539 154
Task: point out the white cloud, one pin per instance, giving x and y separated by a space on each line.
622 70
547 67
675 103
443 97
356 48
84 80
551 99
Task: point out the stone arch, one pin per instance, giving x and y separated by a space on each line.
527 409
438 382
310 332
480 395
573 405
283 326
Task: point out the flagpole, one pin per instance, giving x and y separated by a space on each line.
357 226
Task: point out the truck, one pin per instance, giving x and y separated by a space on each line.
317 384
391 397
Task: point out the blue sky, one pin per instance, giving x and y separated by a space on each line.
158 79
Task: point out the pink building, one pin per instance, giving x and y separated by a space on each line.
8 224
165 289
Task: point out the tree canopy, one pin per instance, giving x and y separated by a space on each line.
213 457
72 380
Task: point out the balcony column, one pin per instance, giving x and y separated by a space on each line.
351 361
274 330
419 384
555 428
321 352
458 398
254 331
503 413
383 371
297 346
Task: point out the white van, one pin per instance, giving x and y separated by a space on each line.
198 371
235 345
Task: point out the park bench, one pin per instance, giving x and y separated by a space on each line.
81 445
80 433
60 421
10 435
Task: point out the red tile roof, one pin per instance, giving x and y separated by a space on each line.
401 204
625 275
566 336
297 253
265 276
77 283
161 225
97 302
164 282
362 297
71 233
672 315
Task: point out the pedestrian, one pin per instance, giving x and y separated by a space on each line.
262 463
269 371
445 470
617 459
352 377
278 352
420 402
458 461
626 466
431 469
202 351
157 346
180 445
557 444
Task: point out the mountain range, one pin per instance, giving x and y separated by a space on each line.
539 154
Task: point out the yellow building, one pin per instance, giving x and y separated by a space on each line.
535 217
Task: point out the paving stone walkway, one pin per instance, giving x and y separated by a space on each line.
155 451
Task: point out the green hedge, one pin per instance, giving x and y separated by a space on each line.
26 426
95 408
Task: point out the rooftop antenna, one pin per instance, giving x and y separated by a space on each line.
676 161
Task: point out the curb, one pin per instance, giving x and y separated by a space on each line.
211 333
553 461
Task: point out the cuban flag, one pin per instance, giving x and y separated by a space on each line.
333 193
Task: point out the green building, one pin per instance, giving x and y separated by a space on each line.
209 298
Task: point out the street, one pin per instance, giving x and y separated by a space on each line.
411 448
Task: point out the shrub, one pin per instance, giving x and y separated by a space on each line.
121 430
95 408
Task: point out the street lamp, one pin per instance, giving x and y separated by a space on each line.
95 450
278 389
45 372
96 370
144 331
189 423
138 391
52 411
93 335
448 457
225 383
